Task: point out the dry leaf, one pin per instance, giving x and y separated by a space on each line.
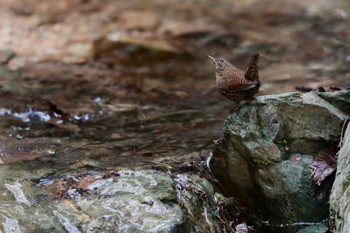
323 165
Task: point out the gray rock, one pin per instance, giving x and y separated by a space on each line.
197 197
141 201
126 201
340 195
318 228
339 100
267 147
134 201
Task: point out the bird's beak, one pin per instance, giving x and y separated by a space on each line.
214 60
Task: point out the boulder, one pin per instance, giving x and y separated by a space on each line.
340 195
265 155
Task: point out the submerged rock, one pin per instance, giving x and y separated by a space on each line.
264 158
340 195
132 201
119 201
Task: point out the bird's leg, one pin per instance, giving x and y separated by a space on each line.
235 108
251 100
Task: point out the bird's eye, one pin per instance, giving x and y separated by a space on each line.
221 60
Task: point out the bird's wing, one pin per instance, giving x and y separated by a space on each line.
252 70
238 86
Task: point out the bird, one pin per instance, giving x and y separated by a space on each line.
235 84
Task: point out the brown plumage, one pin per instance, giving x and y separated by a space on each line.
236 84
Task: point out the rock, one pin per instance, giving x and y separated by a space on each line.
133 201
340 195
339 100
196 195
6 55
267 147
138 45
124 201
318 228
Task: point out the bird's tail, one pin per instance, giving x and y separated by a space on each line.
252 70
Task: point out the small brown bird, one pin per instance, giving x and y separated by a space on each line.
236 84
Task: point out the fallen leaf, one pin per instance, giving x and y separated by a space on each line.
323 165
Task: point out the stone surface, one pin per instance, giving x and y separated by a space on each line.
267 147
121 201
196 195
318 228
340 195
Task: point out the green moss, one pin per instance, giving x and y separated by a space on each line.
261 126
291 96
262 162
282 142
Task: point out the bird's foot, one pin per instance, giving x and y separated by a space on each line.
235 108
249 101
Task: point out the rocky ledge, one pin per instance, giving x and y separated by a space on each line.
278 154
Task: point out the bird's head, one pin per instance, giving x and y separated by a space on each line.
220 63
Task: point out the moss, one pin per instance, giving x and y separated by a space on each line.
291 96
282 142
262 162
261 126
261 130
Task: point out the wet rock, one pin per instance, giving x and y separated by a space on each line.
19 211
340 195
318 228
133 201
266 151
123 201
196 196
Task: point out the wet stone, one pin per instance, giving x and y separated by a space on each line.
118 201
133 201
318 228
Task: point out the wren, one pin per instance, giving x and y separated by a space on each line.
236 84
